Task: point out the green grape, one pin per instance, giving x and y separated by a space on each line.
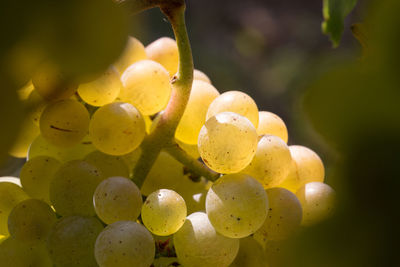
227 142
16 253
11 194
292 179
250 254
164 212
117 199
71 241
124 243
31 220
197 244
164 51
276 253
109 165
73 186
36 175
199 75
131 158
284 216
133 52
165 262
318 202
194 193
103 90
35 104
25 91
235 101
117 128
26 134
191 150
11 179
236 205
64 123
270 124
194 117
145 84
40 147
271 163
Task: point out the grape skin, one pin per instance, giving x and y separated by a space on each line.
164 51
133 52
271 124
109 165
250 254
199 75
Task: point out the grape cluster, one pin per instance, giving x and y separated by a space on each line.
75 203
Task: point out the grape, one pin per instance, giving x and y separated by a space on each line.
107 164
133 52
250 254
271 124
72 239
318 202
194 117
35 105
197 244
64 123
292 179
103 90
235 101
25 91
227 142
31 220
284 216
26 134
271 163
236 205
10 179
40 147
199 75
194 193
191 150
145 84
131 158
73 186
117 199
11 194
164 51
124 243
164 212
277 253
165 262
117 128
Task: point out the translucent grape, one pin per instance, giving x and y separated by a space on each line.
117 128
133 52
125 243
25 136
236 205
318 202
194 117
72 239
197 244
64 123
109 165
117 199
191 150
31 220
270 124
73 186
227 142
271 163
199 75
194 193
292 179
36 175
250 254
35 105
11 194
145 84
235 101
164 51
164 212
284 216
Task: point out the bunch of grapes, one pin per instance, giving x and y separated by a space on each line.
75 203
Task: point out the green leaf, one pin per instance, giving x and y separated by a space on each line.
335 11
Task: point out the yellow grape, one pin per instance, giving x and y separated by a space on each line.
236 205
227 142
125 243
284 216
133 52
35 104
191 150
117 199
318 202
270 165
31 220
199 75
164 212
131 158
235 101
64 123
117 128
250 254
292 179
109 165
145 84
194 193
25 91
271 124
36 175
197 244
164 51
194 117
72 188
25 136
